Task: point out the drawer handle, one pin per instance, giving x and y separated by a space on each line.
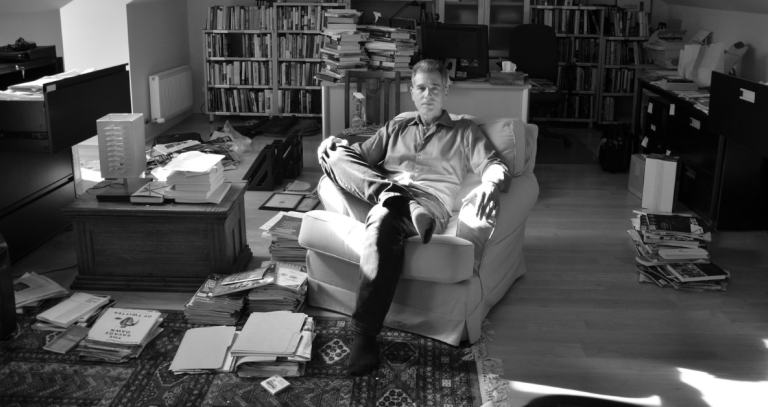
695 124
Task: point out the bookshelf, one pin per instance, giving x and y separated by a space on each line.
605 44
260 59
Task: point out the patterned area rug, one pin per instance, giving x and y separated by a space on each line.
415 371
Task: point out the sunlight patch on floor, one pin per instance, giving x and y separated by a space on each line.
524 392
719 392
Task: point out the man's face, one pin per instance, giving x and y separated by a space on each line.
428 93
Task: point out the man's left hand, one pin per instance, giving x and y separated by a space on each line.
486 198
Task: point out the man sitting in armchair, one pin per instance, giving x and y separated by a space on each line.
411 171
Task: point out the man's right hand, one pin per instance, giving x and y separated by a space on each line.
329 144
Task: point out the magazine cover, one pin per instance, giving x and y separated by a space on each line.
124 326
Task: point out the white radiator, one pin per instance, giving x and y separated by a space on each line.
170 92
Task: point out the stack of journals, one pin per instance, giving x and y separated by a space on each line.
205 350
220 300
283 230
79 308
341 50
286 293
32 289
672 252
274 343
390 49
197 186
120 335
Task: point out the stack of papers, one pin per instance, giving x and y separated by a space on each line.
120 334
274 343
195 177
287 293
34 90
31 289
79 308
283 230
205 350
205 309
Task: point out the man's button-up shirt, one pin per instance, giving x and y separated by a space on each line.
434 159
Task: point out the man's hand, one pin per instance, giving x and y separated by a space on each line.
486 198
329 144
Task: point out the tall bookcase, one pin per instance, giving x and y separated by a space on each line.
260 60
608 56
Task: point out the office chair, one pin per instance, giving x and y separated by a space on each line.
533 48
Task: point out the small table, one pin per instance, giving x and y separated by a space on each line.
170 247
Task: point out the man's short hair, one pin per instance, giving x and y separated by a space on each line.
429 66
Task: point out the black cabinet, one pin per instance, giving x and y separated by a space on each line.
717 178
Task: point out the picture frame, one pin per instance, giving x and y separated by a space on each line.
308 203
280 201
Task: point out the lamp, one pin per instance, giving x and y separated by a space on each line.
121 154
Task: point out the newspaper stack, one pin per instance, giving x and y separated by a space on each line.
32 289
672 252
390 49
274 343
120 334
341 50
220 300
286 293
283 230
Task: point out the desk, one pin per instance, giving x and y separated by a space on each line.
479 99
170 247
709 168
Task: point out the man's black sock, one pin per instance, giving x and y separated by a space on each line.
364 357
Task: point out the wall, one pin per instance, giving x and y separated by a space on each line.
41 27
728 27
95 34
158 40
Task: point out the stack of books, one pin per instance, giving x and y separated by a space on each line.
672 252
206 186
32 289
288 292
120 334
274 343
283 230
390 49
342 49
79 308
221 299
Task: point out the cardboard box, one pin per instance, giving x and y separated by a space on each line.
637 175
660 183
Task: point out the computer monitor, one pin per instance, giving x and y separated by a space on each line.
467 43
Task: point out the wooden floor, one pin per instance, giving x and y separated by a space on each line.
579 321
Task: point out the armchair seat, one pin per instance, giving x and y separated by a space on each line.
449 285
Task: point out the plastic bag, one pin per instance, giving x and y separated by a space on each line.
232 140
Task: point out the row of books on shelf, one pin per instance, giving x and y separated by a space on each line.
299 45
253 73
258 17
626 53
300 18
583 50
671 251
574 107
619 80
301 101
568 21
239 100
584 78
608 109
626 23
559 2
298 73
218 45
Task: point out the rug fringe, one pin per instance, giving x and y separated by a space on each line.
492 387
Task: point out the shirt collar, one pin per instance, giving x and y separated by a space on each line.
445 120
